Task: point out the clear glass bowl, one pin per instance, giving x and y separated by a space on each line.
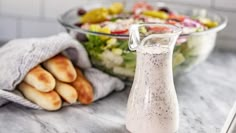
190 50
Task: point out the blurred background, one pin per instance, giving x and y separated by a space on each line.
37 18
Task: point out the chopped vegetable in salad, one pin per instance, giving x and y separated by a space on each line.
117 20
112 54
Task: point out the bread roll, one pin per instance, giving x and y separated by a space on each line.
40 79
67 92
83 88
79 72
61 67
47 100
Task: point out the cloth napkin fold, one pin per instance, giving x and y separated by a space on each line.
18 56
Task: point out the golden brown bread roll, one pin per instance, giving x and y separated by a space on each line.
47 100
67 92
40 79
83 88
79 73
61 67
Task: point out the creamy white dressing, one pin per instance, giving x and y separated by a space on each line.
152 105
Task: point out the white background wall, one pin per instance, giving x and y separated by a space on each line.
35 18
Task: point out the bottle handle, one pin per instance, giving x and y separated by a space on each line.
134 37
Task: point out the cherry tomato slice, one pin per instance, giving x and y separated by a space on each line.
159 29
141 6
175 17
171 22
119 31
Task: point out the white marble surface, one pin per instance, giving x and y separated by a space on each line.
205 95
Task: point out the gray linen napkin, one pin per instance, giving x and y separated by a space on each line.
17 57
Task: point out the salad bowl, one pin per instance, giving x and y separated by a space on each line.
103 30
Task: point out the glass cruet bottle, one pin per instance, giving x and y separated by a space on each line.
152 105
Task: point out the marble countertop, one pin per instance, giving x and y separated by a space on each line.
205 96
